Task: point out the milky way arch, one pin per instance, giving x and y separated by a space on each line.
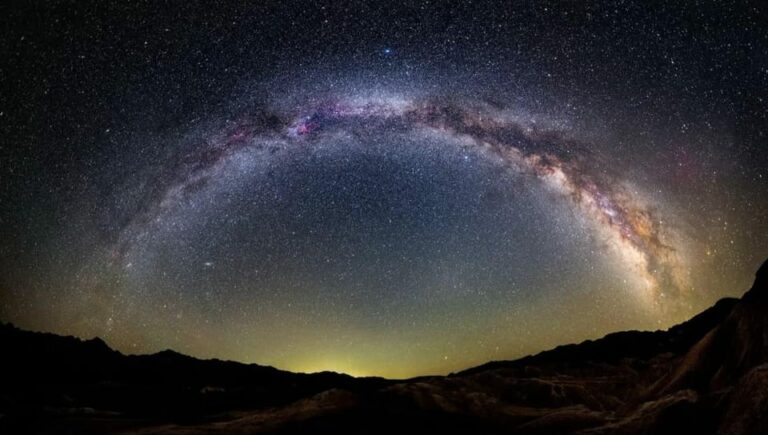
627 223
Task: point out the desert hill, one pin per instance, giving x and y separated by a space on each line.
708 375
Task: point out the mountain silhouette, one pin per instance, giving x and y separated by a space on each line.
708 375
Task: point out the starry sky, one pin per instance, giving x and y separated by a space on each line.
378 188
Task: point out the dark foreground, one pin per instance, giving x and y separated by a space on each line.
708 375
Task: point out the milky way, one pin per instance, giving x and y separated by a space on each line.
393 189
552 159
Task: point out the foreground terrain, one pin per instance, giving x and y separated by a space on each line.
707 375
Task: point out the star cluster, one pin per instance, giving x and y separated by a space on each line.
380 191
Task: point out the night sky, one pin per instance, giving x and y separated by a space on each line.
377 188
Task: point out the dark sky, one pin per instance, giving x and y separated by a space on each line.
377 187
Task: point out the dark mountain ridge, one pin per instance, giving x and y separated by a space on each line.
626 344
706 375
46 370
